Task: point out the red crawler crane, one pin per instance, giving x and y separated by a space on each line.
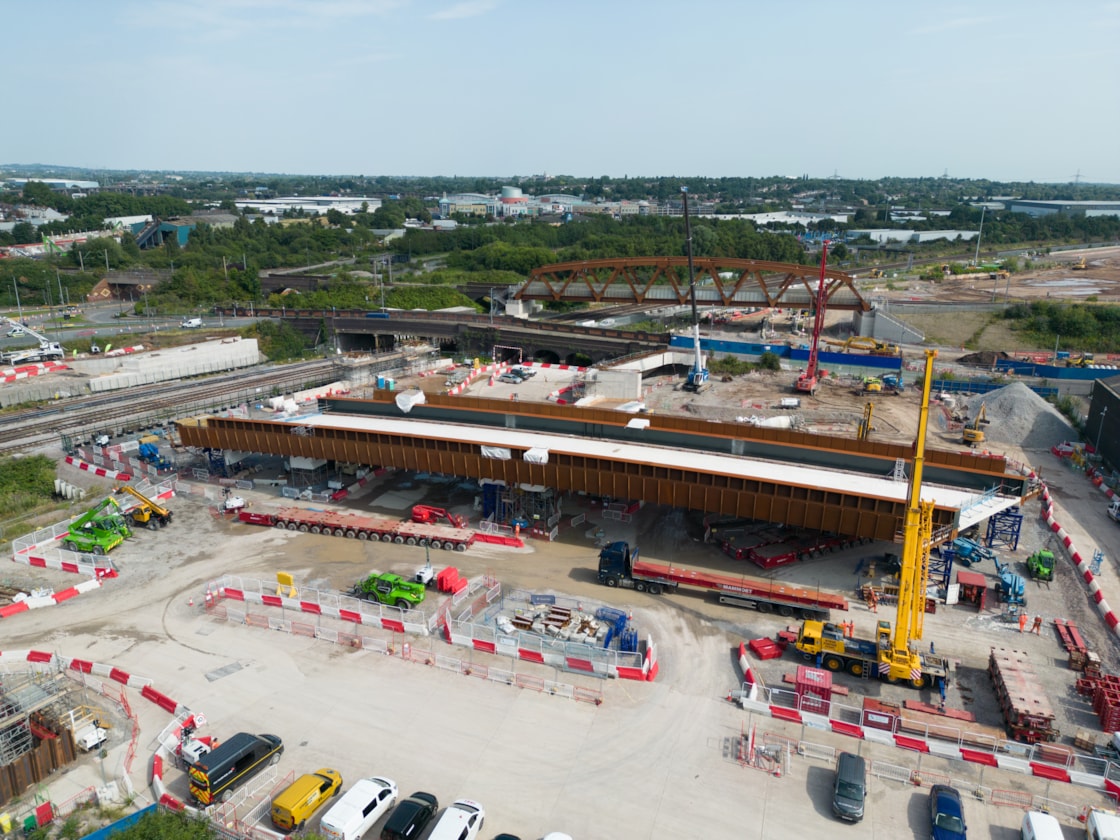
807 382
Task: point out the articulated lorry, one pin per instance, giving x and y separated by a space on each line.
620 566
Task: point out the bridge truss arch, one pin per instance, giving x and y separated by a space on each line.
720 281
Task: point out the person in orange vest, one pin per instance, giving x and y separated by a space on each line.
1022 622
1037 627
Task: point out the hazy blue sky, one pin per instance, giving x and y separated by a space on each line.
1026 90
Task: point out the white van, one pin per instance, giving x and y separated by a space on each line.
362 806
191 323
1040 826
1102 825
461 821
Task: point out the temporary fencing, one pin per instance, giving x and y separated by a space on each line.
411 640
913 774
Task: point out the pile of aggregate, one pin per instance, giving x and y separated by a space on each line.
985 358
1021 417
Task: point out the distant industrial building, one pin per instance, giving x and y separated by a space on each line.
1071 208
313 204
783 217
885 235
60 184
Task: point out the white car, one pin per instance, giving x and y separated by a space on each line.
362 806
461 821
14 331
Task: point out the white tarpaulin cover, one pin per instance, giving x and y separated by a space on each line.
638 423
536 455
407 399
497 452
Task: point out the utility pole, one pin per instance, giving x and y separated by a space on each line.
81 259
19 309
106 253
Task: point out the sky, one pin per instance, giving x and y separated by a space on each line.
1010 91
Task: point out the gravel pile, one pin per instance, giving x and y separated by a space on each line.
1021 417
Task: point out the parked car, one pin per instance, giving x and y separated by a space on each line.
946 813
510 379
410 816
461 821
523 372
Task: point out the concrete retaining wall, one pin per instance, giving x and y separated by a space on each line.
110 374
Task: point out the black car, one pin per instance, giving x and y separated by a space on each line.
410 816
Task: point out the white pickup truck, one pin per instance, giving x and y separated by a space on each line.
1114 509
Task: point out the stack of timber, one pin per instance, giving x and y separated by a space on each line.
1079 654
1026 708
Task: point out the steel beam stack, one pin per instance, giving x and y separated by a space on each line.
1026 708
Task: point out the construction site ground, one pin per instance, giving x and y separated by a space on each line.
642 764
653 757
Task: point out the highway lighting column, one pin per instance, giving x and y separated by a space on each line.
1100 428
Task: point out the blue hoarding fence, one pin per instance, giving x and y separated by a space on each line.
980 386
794 354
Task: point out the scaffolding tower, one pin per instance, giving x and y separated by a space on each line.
1003 529
23 695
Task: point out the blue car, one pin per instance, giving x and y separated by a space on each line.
946 814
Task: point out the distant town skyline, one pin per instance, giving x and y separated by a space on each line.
1006 91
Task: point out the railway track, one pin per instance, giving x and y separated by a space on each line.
127 411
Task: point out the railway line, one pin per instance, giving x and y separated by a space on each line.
155 405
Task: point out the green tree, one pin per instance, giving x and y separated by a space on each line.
388 215
38 194
24 233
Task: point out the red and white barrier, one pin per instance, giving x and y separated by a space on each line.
1095 592
125 351
116 475
27 371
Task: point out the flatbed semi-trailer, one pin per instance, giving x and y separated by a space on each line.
620 566
373 527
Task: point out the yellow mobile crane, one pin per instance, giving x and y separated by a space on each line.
891 654
147 512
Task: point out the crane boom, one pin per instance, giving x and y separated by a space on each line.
808 380
916 535
47 351
698 375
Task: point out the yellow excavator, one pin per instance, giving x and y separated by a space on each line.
972 433
865 344
1080 265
